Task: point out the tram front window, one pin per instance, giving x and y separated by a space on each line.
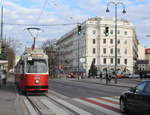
36 66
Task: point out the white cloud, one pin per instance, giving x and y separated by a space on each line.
65 13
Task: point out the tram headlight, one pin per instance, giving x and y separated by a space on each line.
37 81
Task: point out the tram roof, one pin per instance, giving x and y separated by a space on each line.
34 53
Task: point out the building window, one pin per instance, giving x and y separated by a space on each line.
125 33
104 50
118 32
94 31
111 41
111 60
111 31
94 50
111 50
118 41
93 41
104 41
125 61
118 51
118 60
104 60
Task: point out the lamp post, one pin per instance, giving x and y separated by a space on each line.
2 20
107 10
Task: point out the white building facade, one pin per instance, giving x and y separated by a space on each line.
78 50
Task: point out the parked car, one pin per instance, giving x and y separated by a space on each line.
120 76
137 99
134 76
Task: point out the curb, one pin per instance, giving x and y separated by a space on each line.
102 83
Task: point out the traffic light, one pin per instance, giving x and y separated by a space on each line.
106 31
79 29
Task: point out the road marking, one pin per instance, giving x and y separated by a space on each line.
74 108
30 107
116 97
55 109
107 100
105 105
112 99
58 94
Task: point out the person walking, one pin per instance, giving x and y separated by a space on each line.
100 75
0 80
141 75
5 77
109 77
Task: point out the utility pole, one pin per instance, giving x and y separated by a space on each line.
2 22
107 10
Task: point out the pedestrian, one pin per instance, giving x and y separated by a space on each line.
107 79
141 75
5 77
100 75
0 80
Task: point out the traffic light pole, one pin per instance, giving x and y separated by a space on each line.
115 43
79 32
2 22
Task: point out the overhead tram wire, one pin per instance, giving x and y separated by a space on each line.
41 25
44 6
42 10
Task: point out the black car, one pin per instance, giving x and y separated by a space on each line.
137 99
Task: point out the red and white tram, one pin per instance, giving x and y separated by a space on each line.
31 71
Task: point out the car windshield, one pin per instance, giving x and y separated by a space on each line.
36 66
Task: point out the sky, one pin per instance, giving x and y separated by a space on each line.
48 12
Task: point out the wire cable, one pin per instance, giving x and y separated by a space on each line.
46 25
42 11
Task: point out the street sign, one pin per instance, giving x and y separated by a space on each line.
82 60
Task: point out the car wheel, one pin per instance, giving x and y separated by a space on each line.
123 107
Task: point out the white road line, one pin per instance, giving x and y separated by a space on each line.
74 108
104 102
104 110
54 108
30 108
112 99
58 94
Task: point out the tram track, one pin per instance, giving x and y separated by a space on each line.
36 110
51 103
46 105
72 112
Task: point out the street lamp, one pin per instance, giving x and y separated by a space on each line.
124 11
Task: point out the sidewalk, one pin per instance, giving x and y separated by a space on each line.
7 98
103 82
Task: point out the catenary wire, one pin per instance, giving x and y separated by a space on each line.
42 10
46 25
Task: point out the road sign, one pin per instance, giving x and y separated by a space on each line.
82 60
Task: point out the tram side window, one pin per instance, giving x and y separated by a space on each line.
36 66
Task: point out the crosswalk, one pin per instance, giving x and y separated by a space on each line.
106 105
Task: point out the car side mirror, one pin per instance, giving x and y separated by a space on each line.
132 89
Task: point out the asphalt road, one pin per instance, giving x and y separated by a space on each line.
74 89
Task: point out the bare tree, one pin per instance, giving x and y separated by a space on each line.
9 49
49 47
